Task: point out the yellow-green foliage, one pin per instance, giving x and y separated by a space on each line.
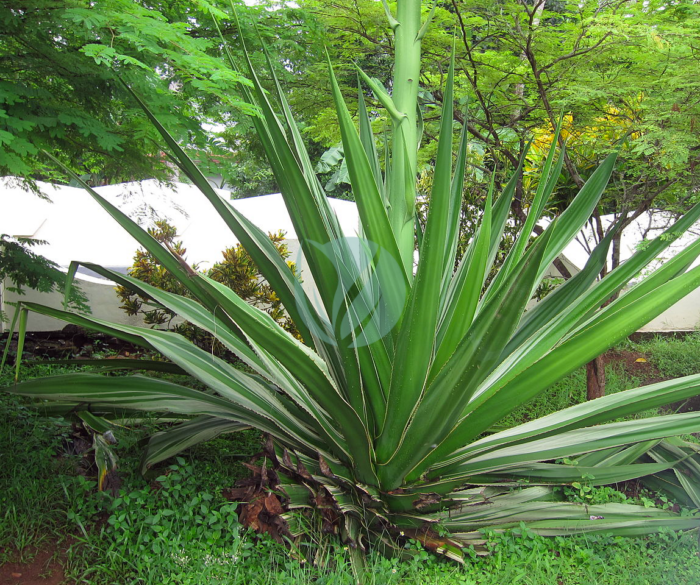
236 270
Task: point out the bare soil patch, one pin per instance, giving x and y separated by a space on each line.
641 366
636 364
45 568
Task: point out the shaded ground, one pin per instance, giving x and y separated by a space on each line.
71 341
640 365
44 569
635 364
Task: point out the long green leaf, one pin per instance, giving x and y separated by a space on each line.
485 409
520 355
416 339
392 282
571 221
172 263
304 365
574 442
542 195
368 143
267 368
231 383
372 211
383 97
172 441
120 363
551 474
454 384
468 283
452 238
556 303
589 413
272 266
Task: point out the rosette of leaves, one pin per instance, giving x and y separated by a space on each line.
237 271
386 415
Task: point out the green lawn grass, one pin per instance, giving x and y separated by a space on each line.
177 527
674 357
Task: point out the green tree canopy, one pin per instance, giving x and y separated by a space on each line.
60 64
616 70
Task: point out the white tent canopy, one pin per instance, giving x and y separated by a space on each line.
77 228
646 227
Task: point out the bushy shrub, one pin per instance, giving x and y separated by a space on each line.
236 270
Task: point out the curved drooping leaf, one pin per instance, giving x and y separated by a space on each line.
165 444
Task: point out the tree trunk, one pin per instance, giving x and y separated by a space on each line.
595 370
520 87
595 378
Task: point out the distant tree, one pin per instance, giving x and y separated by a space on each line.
60 64
623 73
22 269
59 91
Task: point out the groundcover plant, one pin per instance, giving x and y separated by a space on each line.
385 415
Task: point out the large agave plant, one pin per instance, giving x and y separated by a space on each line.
387 411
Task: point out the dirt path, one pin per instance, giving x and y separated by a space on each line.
44 569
